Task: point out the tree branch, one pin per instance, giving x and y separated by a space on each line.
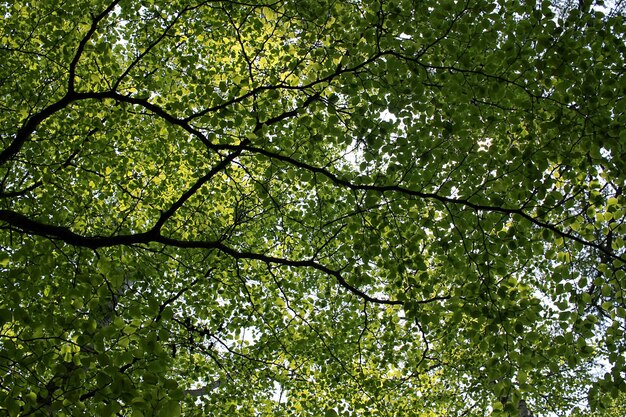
432 196
20 223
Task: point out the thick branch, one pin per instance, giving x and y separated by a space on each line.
19 222
30 125
83 43
166 215
434 196
23 224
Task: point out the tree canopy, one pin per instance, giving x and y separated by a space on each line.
312 207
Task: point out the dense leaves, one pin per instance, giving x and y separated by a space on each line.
312 208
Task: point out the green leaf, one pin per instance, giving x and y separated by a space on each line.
353 207
170 409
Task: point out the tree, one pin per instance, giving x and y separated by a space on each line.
312 207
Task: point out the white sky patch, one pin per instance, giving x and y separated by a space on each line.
484 145
387 116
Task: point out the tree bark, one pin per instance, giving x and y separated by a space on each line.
523 409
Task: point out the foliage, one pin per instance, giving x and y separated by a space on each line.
325 207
